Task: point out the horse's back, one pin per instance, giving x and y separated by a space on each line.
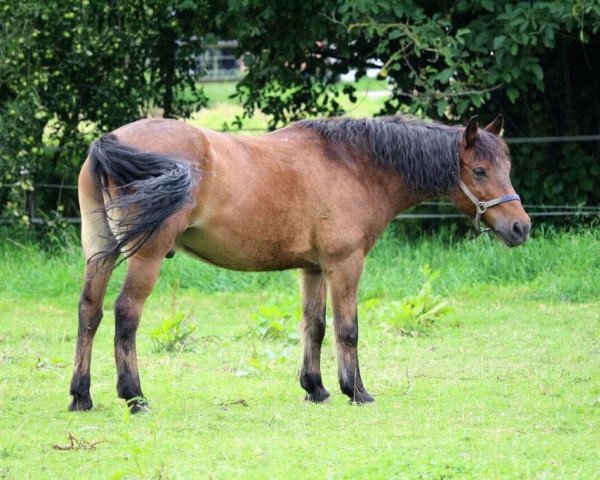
164 135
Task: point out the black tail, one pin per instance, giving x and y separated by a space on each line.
151 187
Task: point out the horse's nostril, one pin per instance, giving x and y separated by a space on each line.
518 229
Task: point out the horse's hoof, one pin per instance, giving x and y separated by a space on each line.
361 398
319 395
138 405
81 404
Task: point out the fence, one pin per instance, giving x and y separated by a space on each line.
532 210
219 63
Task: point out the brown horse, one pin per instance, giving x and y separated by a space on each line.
315 196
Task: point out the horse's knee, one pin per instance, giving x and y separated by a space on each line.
90 306
314 328
347 334
126 320
90 314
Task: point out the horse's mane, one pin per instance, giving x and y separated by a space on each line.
424 153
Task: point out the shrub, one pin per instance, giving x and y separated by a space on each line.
276 320
174 334
414 316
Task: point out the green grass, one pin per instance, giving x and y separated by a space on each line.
370 97
508 385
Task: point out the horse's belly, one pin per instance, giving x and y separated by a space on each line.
239 252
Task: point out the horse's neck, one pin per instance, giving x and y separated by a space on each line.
402 196
411 201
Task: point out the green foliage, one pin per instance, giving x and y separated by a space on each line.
441 61
277 320
285 79
70 70
416 315
50 363
275 324
174 334
532 61
264 360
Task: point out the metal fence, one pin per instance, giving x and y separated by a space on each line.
218 62
532 210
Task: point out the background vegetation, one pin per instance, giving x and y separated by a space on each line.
505 385
71 70
483 360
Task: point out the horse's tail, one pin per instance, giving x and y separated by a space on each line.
141 190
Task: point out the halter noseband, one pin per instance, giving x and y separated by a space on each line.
481 207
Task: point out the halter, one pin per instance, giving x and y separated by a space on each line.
482 207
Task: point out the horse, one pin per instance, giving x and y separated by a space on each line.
313 196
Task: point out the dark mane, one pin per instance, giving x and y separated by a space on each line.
425 154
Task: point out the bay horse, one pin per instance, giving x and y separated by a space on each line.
315 196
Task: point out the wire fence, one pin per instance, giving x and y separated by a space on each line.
532 210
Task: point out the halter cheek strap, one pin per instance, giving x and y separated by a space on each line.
482 206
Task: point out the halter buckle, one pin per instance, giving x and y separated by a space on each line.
481 207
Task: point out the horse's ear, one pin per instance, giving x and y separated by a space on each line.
496 126
471 131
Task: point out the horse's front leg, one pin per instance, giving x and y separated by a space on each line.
314 291
343 280
141 277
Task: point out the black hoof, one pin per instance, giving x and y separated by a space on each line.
81 404
318 395
313 385
138 405
361 398
356 394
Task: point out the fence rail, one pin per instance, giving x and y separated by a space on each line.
533 210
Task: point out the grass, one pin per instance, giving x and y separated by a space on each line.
370 97
508 386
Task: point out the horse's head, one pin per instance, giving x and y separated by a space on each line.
485 188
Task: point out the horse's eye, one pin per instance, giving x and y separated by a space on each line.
479 172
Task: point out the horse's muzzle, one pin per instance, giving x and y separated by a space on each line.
514 235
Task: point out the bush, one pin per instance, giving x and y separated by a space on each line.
414 316
174 334
277 320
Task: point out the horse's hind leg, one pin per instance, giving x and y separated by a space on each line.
343 280
314 292
96 238
141 276
90 315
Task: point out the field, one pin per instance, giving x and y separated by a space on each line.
506 385
370 97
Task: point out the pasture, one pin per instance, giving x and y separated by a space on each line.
506 385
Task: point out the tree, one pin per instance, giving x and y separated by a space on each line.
538 62
72 69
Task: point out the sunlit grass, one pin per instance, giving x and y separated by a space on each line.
507 387
222 109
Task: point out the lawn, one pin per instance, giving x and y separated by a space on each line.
506 385
370 97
